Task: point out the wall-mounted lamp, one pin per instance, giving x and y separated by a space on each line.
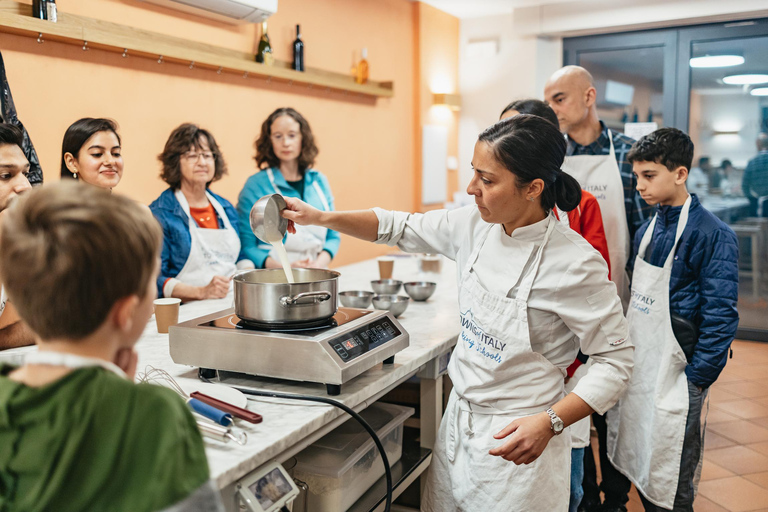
453 101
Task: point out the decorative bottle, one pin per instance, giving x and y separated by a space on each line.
264 53
362 68
298 51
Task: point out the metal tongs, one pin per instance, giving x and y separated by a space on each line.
225 434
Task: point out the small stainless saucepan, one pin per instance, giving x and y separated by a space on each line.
263 296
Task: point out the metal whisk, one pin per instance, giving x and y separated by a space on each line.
224 433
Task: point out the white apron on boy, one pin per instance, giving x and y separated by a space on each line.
308 241
646 428
213 252
600 175
494 355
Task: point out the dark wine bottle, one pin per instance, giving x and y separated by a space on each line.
635 116
39 9
298 51
264 53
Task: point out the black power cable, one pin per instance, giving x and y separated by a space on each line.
329 401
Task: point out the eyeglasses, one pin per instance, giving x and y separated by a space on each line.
193 157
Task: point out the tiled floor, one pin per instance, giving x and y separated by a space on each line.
735 472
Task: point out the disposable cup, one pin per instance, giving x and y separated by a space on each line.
386 265
166 313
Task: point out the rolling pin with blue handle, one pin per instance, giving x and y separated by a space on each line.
212 413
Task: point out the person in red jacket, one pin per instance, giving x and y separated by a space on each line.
586 220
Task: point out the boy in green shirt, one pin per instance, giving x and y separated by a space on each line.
76 434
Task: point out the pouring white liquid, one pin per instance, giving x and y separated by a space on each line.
283 257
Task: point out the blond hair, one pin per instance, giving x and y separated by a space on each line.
69 252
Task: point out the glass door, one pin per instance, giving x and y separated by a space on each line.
634 75
723 94
712 82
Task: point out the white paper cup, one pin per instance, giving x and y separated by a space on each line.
166 313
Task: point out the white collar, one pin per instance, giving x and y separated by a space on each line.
50 358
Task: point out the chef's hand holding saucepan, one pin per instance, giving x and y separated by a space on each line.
299 212
362 224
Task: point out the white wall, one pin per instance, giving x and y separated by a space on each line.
488 81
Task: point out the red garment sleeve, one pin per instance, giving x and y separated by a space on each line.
591 226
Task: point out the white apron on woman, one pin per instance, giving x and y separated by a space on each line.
646 428
308 241
600 175
492 357
213 252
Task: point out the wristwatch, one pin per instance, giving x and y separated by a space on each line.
557 424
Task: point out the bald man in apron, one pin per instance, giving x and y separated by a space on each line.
596 157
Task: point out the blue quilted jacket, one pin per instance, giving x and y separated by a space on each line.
704 283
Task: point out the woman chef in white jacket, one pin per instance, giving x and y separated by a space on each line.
531 293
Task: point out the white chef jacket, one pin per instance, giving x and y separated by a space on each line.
572 303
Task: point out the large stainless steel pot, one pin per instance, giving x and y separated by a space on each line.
262 296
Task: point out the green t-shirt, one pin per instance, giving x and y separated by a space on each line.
94 441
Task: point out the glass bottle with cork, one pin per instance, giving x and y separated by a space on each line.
264 52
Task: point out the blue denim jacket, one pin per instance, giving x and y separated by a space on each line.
258 186
177 241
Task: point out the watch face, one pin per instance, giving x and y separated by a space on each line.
558 426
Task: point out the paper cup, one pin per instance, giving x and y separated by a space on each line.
386 265
166 313
430 263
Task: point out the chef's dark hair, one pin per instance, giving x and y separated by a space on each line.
531 148
79 133
533 107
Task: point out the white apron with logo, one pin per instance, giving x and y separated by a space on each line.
213 252
646 428
600 175
308 241
493 359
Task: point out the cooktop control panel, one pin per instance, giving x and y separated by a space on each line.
359 341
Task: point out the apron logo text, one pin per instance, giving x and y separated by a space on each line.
481 337
641 302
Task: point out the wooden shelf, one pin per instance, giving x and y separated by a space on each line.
16 18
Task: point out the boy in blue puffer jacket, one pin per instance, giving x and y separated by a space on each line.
682 319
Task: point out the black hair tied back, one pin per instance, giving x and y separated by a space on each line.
531 148
567 192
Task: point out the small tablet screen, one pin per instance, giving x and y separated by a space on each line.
270 488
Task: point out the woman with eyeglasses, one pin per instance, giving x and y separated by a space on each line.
201 246
285 154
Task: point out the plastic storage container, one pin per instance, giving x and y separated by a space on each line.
345 463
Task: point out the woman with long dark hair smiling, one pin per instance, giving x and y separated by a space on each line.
531 293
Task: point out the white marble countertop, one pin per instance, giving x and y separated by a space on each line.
432 325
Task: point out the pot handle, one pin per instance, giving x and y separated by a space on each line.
320 296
